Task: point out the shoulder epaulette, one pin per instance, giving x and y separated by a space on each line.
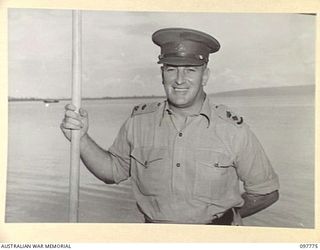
226 114
145 108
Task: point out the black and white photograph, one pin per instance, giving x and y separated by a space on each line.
161 117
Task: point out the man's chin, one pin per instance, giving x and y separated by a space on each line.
179 104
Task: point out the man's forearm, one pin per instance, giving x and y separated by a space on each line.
254 203
97 160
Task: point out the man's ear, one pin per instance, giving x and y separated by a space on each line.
205 76
161 69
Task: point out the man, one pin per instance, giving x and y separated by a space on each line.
185 156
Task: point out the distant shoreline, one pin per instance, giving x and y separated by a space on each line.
48 100
268 91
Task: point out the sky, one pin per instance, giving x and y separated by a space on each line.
119 58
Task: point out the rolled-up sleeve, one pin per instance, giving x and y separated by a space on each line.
253 166
120 154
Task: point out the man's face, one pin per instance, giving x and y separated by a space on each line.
184 84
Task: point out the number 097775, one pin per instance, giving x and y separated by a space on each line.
308 245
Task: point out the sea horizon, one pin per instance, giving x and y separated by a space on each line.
265 91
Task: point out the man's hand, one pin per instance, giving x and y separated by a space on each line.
97 160
74 121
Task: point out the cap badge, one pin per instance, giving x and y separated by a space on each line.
181 48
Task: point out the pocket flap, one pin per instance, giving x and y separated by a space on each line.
214 159
147 155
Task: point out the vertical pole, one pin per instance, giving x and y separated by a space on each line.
76 100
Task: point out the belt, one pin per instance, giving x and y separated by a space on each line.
225 219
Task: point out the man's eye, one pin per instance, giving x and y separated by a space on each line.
170 69
191 70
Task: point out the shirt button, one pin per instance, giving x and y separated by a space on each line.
180 134
178 164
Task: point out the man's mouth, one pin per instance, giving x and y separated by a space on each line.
180 89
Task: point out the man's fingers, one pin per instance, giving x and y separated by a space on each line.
74 122
83 112
70 126
72 114
70 106
70 123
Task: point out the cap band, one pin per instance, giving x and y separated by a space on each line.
198 58
185 46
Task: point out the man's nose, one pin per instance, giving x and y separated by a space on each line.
180 76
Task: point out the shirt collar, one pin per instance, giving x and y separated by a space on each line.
205 110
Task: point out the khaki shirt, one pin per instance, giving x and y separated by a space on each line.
192 175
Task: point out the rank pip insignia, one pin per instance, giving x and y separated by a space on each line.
228 115
232 116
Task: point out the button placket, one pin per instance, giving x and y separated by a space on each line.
178 167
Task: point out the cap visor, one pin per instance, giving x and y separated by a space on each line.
179 61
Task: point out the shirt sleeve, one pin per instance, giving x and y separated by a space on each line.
253 166
120 154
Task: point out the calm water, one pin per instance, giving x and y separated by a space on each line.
38 161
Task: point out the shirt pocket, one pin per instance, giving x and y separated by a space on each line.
148 165
212 174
